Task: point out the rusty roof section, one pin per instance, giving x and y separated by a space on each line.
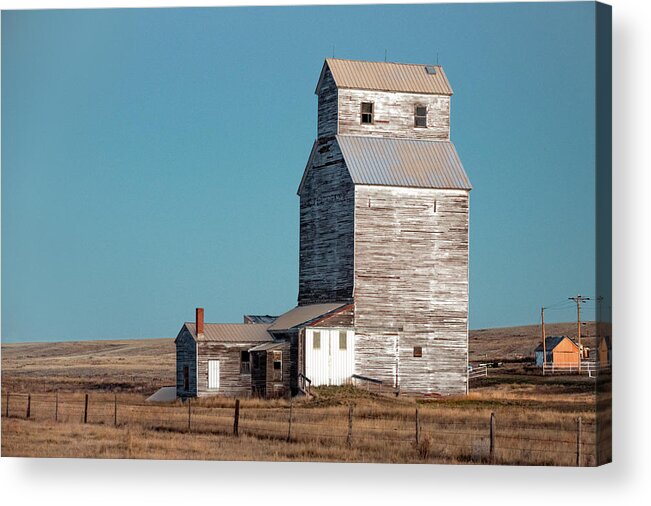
388 76
304 314
232 332
410 163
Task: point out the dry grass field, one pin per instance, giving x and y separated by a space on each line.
535 416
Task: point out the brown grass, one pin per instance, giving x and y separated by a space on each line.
453 430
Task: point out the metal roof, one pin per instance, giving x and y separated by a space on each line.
403 162
304 314
388 76
255 318
552 342
232 332
268 346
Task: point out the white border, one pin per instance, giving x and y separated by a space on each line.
79 481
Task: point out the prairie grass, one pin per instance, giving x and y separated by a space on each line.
452 430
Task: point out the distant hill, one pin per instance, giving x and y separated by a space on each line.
510 343
144 365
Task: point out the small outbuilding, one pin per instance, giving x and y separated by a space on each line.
604 352
215 358
561 352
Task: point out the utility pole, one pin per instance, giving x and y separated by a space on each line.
542 318
600 319
579 299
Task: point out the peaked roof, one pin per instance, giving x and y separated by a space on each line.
304 314
387 76
552 342
403 162
232 332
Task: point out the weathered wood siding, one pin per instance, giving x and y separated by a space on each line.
291 337
393 114
327 106
231 382
342 318
411 287
278 382
186 355
326 228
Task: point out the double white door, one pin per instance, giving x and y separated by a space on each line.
329 356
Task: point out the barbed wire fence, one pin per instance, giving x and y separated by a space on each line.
492 440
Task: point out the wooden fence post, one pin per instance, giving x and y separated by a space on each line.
56 407
492 439
29 406
189 414
236 418
417 426
86 408
289 429
578 442
349 439
115 410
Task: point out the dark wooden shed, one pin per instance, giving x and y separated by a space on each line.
270 369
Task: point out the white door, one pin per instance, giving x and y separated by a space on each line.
213 374
342 357
329 356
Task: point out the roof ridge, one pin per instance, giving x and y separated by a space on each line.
389 62
222 323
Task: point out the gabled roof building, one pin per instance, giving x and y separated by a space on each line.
383 258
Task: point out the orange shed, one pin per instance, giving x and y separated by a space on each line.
561 352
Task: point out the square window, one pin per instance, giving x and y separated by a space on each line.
367 113
316 341
420 116
343 340
418 351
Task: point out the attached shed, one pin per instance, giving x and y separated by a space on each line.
322 340
214 358
270 369
561 352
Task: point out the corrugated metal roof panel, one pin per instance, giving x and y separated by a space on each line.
255 318
268 346
403 162
304 314
389 76
232 332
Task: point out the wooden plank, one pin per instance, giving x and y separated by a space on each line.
393 114
186 355
231 381
411 287
326 228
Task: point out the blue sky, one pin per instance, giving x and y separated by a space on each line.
150 158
